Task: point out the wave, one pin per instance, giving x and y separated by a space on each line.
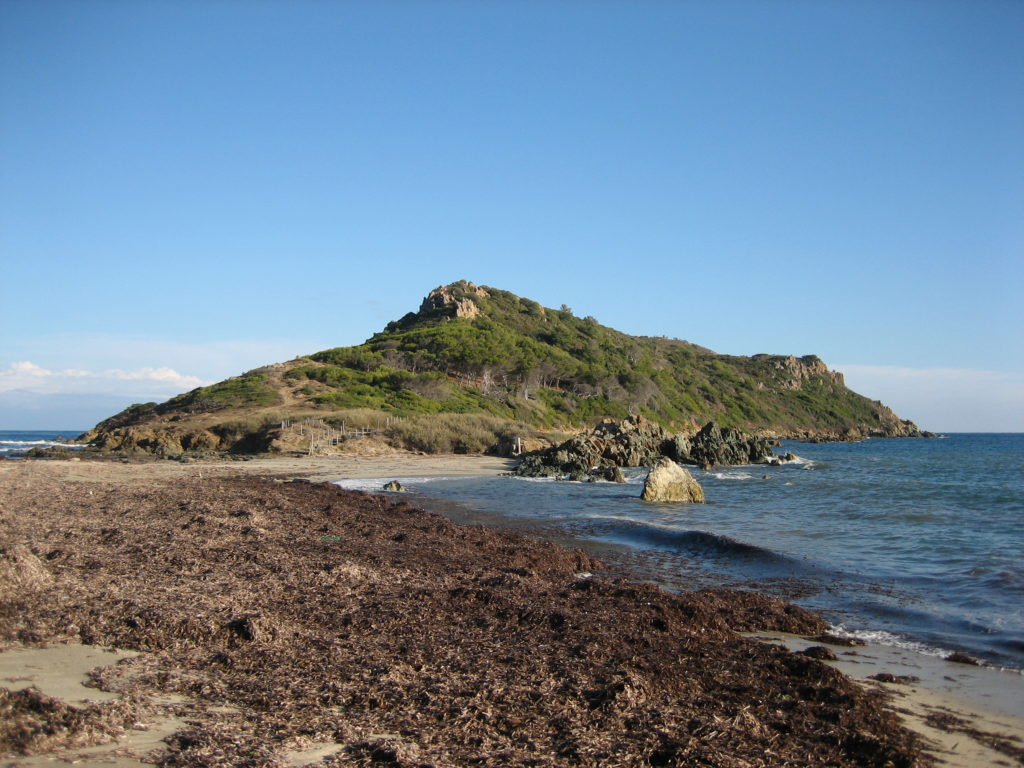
37 442
881 637
735 476
692 542
17 446
372 484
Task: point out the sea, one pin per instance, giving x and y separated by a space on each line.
15 442
915 543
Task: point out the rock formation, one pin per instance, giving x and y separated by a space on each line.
639 442
715 445
668 481
443 300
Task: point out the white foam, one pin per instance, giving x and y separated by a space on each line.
881 637
10 446
734 476
378 483
38 442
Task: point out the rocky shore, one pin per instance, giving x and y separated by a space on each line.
639 442
274 617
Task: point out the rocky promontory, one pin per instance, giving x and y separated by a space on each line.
477 367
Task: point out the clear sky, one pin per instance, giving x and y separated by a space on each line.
192 189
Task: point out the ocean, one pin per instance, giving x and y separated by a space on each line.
916 543
14 441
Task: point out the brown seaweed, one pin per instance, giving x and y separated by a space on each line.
314 614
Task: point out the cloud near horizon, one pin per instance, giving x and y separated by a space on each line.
944 399
26 376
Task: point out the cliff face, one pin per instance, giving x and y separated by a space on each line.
796 370
478 350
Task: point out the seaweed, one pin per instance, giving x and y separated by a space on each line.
315 614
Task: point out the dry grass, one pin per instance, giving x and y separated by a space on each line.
456 433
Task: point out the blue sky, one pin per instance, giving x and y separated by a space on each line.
192 189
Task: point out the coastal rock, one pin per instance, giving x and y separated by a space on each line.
632 442
777 461
172 440
889 677
962 658
640 442
819 652
611 474
394 486
668 481
715 445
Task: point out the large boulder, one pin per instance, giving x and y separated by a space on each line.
668 481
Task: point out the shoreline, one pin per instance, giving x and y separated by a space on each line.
114 478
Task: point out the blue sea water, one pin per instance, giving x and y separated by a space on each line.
15 441
911 542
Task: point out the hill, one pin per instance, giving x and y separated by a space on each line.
476 366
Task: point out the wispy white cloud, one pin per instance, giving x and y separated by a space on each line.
26 376
945 399
212 360
76 379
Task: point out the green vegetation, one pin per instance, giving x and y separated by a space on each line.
245 391
547 367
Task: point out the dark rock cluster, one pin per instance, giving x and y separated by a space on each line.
639 442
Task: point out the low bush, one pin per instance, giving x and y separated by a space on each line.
455 433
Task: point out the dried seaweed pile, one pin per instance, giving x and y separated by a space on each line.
323 615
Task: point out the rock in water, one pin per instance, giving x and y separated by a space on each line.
668 481
394 485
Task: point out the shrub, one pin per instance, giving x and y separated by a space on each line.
454 433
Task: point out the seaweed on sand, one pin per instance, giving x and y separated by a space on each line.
320 615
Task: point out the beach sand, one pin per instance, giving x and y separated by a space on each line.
281 623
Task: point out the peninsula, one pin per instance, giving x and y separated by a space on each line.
478 369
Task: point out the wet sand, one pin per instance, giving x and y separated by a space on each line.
280 623
971 716
318 468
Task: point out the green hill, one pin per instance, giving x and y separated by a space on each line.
485 359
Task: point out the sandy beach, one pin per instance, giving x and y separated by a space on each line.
259 621
318 468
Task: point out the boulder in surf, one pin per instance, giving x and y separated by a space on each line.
667 481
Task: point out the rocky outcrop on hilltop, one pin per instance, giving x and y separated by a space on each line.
793 372
639 442
442 300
